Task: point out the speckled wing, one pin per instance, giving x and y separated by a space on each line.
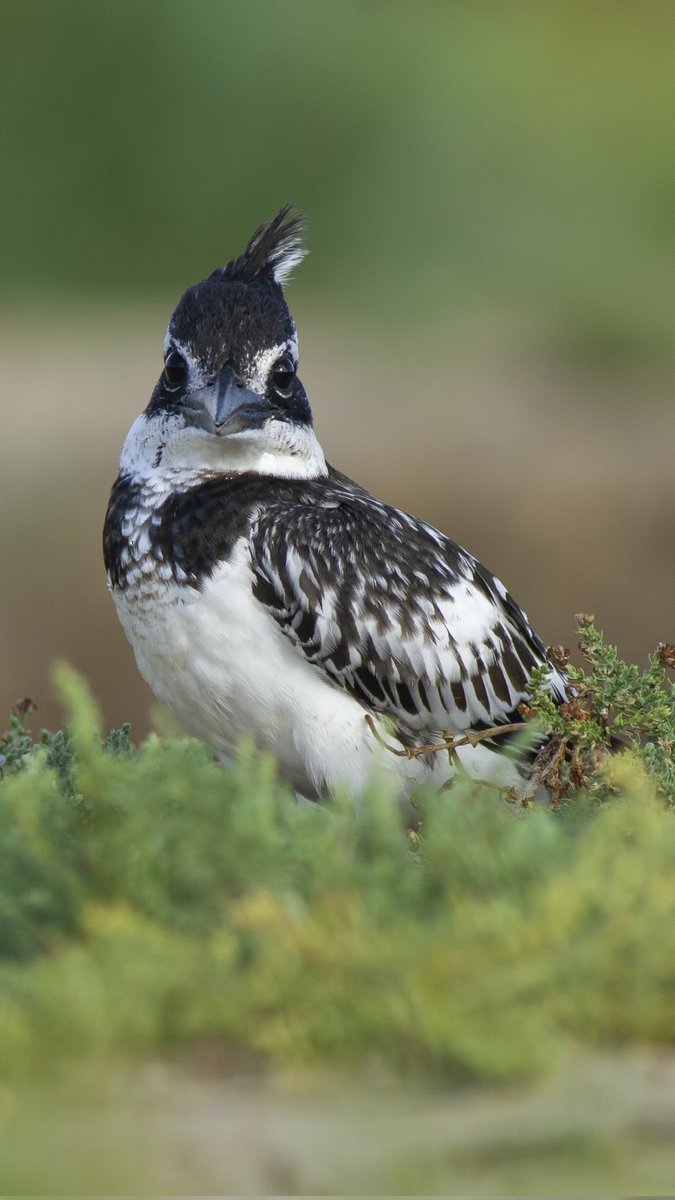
394 612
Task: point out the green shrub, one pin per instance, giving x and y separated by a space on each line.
610 705
150 900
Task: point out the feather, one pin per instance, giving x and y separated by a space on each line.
273 252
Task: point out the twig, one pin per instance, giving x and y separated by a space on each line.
547 759
471 738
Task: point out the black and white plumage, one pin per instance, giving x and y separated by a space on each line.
268 596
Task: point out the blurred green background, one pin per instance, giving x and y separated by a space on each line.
486 316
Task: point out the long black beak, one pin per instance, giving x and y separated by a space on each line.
237 407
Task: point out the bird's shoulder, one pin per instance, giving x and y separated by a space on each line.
392 609
190 522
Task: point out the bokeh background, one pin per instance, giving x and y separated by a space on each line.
486 316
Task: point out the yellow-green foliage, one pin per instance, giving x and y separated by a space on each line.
150 898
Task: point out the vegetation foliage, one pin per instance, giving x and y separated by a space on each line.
610 704
150 900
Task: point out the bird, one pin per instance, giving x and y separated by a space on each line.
269 597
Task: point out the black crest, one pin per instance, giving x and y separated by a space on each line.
274 250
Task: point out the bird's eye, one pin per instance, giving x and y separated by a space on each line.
175 368
283 375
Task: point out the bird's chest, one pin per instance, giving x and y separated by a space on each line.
212 653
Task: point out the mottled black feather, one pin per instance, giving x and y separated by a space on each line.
124 500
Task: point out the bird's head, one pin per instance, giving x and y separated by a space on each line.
229 396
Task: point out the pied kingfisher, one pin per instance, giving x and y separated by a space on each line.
269 597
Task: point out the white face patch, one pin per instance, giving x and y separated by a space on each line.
258 375
196 374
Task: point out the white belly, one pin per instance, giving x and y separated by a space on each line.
221 663
218 659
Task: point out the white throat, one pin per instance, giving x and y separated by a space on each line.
164 442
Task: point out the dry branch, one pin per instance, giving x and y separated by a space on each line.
471 738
